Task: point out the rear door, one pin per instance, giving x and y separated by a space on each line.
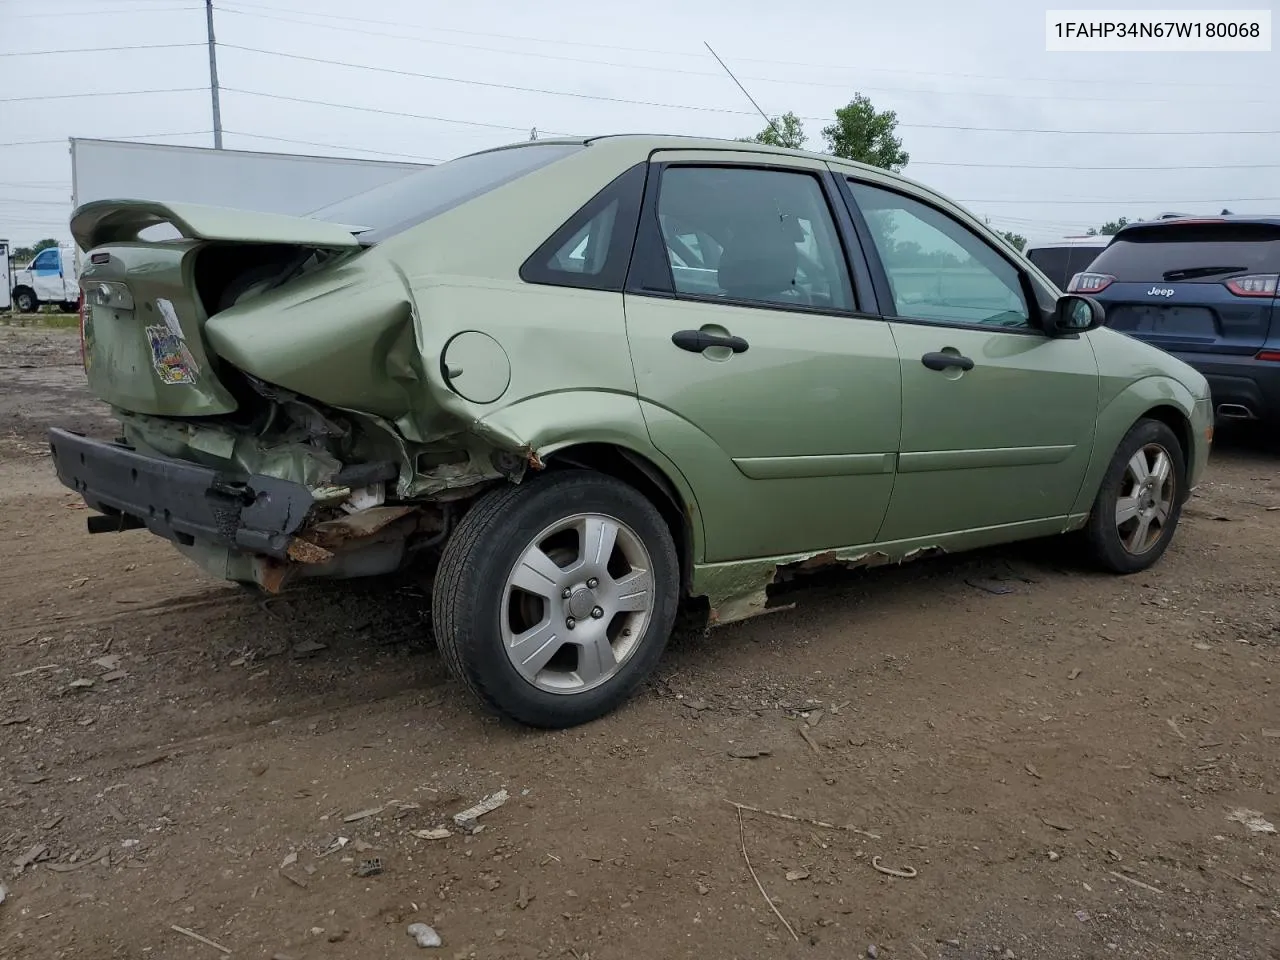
1190 287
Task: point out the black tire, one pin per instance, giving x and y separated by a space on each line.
68 306
1102 533
471 580
25 301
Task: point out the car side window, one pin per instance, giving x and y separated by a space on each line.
752 236
592 248
46 260
938 269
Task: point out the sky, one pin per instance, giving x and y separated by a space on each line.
1044 144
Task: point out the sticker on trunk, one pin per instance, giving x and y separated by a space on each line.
170 356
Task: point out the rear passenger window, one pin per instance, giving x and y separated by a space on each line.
592 248
752 236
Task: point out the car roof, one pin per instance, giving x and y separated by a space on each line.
652 142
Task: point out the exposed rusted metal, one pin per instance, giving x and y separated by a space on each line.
740 591
331 534
303 551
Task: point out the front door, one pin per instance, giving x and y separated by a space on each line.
46 275
997 418
757 373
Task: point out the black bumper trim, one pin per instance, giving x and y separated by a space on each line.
182 501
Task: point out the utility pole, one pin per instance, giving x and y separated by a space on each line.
213 77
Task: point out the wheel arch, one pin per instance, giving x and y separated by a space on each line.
1155 398
638 471
23 288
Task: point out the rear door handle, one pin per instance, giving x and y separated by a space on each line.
942 361
695 341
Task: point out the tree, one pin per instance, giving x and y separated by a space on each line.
789 133
862 133
1015 240
1108 229
24 254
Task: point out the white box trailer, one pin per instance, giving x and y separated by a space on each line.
5 287
244 179
241 179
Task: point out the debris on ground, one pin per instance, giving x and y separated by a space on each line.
369 868
1252 820
308 647
524 898
4 892
991 586
801 874
435 833
31 856
489 804
747 753
195 936
362 814
338 844
424 936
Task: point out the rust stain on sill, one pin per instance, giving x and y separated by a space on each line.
744 594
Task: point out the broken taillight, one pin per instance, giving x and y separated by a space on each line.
83 359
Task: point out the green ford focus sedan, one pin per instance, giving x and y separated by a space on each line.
582 381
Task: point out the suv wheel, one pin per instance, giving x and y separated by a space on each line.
1140 501
555 598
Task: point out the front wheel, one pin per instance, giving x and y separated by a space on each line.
1140 501
554 599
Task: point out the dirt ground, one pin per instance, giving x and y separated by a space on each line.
1057 755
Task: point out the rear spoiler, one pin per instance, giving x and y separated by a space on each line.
116 221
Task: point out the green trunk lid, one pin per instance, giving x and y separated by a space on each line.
143 330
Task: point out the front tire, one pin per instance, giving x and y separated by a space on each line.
554 598
1140 501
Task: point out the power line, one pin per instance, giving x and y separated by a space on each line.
36 203
138 136
112 93
860 69
1054 166
142 46
488 83
724 110
1127 200
711 74
332 146
87 13
389 113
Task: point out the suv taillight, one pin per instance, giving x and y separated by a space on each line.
1254 285
1090 282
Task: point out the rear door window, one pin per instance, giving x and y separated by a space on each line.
752 236
1191 252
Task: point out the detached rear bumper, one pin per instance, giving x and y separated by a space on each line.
180 501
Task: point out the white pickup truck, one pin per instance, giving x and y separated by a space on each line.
49 278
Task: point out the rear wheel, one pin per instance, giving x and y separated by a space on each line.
24 300
68 306
1140 501
555 598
